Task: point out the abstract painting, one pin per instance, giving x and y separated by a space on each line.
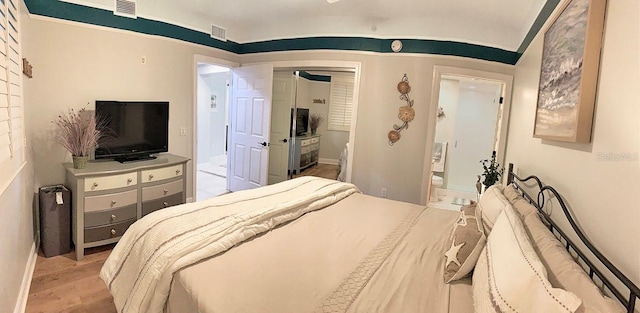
569 72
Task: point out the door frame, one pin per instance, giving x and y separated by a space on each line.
324 65
197 58
438 72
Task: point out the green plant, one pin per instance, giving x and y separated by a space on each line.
78 132
492 171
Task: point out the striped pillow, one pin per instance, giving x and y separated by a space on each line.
509 276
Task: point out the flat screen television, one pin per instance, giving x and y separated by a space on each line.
302 123
134 129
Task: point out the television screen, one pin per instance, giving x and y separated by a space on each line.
302 121
134 129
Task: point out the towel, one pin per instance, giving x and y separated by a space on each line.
439 156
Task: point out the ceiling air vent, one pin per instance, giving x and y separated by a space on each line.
218 33
126 8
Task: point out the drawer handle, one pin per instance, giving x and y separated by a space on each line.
113 231
95 185
165 204
113 202
166 192
177 172
113 217
150 176
129 180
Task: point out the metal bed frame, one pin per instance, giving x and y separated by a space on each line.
539 202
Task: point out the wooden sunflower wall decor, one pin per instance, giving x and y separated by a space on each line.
406 112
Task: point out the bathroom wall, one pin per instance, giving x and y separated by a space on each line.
471 110
446 127
211 118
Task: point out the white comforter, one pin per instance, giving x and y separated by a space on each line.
139 270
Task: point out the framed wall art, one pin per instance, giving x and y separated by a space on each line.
569 72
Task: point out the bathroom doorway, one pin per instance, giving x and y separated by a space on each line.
212 107
468 128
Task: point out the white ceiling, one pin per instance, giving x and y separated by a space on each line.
495 23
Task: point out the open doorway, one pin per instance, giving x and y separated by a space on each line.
470 118
212 106
298 146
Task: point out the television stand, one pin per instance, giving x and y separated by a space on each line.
135 158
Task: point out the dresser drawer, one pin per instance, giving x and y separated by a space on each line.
315 139
314 146
161 173
110 201
304 150
159 191
110 182
154 205
305 142
111 216
92 234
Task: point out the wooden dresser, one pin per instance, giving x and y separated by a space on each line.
108 196
306 150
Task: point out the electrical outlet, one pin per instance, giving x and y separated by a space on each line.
383 192
143 59
183 131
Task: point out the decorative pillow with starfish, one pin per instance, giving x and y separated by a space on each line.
465 244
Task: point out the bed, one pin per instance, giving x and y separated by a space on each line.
317 245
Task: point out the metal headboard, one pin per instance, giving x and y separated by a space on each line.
634 292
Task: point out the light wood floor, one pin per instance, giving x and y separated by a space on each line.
60 284
321 170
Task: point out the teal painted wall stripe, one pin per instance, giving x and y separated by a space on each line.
542 18
89 15
383 46
317 78
84 14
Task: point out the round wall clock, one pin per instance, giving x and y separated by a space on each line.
396 45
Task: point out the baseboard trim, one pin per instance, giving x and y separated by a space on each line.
328 161
21 304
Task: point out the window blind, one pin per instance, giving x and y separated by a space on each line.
340 103
11 108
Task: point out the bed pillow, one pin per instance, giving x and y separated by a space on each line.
491 203
564 272
522 206
509 276
465 243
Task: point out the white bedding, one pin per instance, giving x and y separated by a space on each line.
140 269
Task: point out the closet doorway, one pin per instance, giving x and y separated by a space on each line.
298 150
471 112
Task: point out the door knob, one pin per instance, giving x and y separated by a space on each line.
284 140
264 144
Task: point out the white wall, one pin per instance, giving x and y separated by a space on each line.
16 213
218 86
203 117
376 164
600 191
331 141
211 121
16 231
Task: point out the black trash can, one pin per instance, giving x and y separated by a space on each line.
55 220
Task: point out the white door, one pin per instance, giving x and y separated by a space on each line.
475 132
250 123
283 97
